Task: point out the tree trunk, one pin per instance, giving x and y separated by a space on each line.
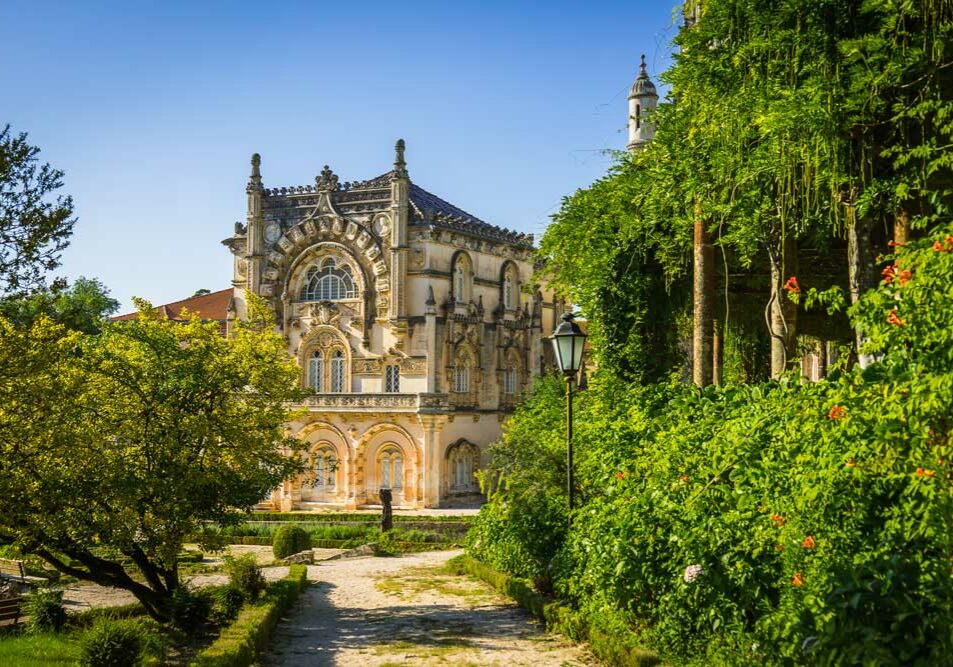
718 346
704 298
782 315
901 228
861 271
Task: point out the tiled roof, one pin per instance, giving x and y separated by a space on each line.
213 306
426 208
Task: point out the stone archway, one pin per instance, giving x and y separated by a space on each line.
388 455
328 466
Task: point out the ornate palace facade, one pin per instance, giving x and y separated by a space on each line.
415 325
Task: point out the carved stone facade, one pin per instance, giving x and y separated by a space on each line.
415 324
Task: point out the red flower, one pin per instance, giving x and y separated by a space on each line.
620 475
894 320
791 286
939 247
894 244
809 542
904 277
921 472
797 580
889 273
837 412
683 479
777 519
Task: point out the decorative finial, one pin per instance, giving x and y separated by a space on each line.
642 66
327 180
254 181
400 167
431 301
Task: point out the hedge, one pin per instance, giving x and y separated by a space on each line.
408 547
604 637
242 642
352 517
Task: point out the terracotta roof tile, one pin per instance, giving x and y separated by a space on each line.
213 306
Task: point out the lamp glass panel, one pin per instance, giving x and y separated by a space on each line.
578 346
566 353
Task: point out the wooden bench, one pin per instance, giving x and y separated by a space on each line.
10 611
12 569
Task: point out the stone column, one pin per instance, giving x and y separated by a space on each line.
433 428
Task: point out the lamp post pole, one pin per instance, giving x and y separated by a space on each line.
568 346
570 485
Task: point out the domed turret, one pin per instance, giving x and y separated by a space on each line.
642 102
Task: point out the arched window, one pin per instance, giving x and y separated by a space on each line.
461 278
638 116
461 378
510 287
337 372
462 463
325 469
329 282
390 464
510 380
316 372
392 378
508 293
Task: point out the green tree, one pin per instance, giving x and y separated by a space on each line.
84 306
115 448
33 228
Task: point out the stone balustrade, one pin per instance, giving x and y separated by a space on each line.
426 403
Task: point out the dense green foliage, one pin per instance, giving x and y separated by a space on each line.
45 611
290 540
774 523
245 576
111 643
114 448
242 642
84 306
34 227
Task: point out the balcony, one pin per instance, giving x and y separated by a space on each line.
423 403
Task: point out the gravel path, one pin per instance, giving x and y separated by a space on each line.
381 612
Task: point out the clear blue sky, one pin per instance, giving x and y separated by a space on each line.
153 109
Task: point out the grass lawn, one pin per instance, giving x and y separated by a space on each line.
38 650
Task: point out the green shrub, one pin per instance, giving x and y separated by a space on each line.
45 611
245 576
242 642
290 540
386 545
211 539
227 602
189 609
110 643
768 524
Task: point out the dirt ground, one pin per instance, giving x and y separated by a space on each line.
381 612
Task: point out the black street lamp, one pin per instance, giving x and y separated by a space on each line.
568 343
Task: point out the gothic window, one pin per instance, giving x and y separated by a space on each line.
461 278
329 282
462 462
510 287
509 381
316 372
638 116
508 293
392 378
337 372
461 378
325 469
390 465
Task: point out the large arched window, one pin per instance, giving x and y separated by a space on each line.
462 273
337 371
390 468
316 371
332 281
510 287
325 466
463 460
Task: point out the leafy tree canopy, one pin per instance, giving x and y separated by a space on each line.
34 228
81 307
115 447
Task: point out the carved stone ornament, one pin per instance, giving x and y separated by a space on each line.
324 312
366 367
414 366
327 180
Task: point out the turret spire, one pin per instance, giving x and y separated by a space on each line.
400 167
642 101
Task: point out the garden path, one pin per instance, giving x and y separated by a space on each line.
381 612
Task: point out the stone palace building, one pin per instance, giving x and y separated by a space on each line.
415 324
